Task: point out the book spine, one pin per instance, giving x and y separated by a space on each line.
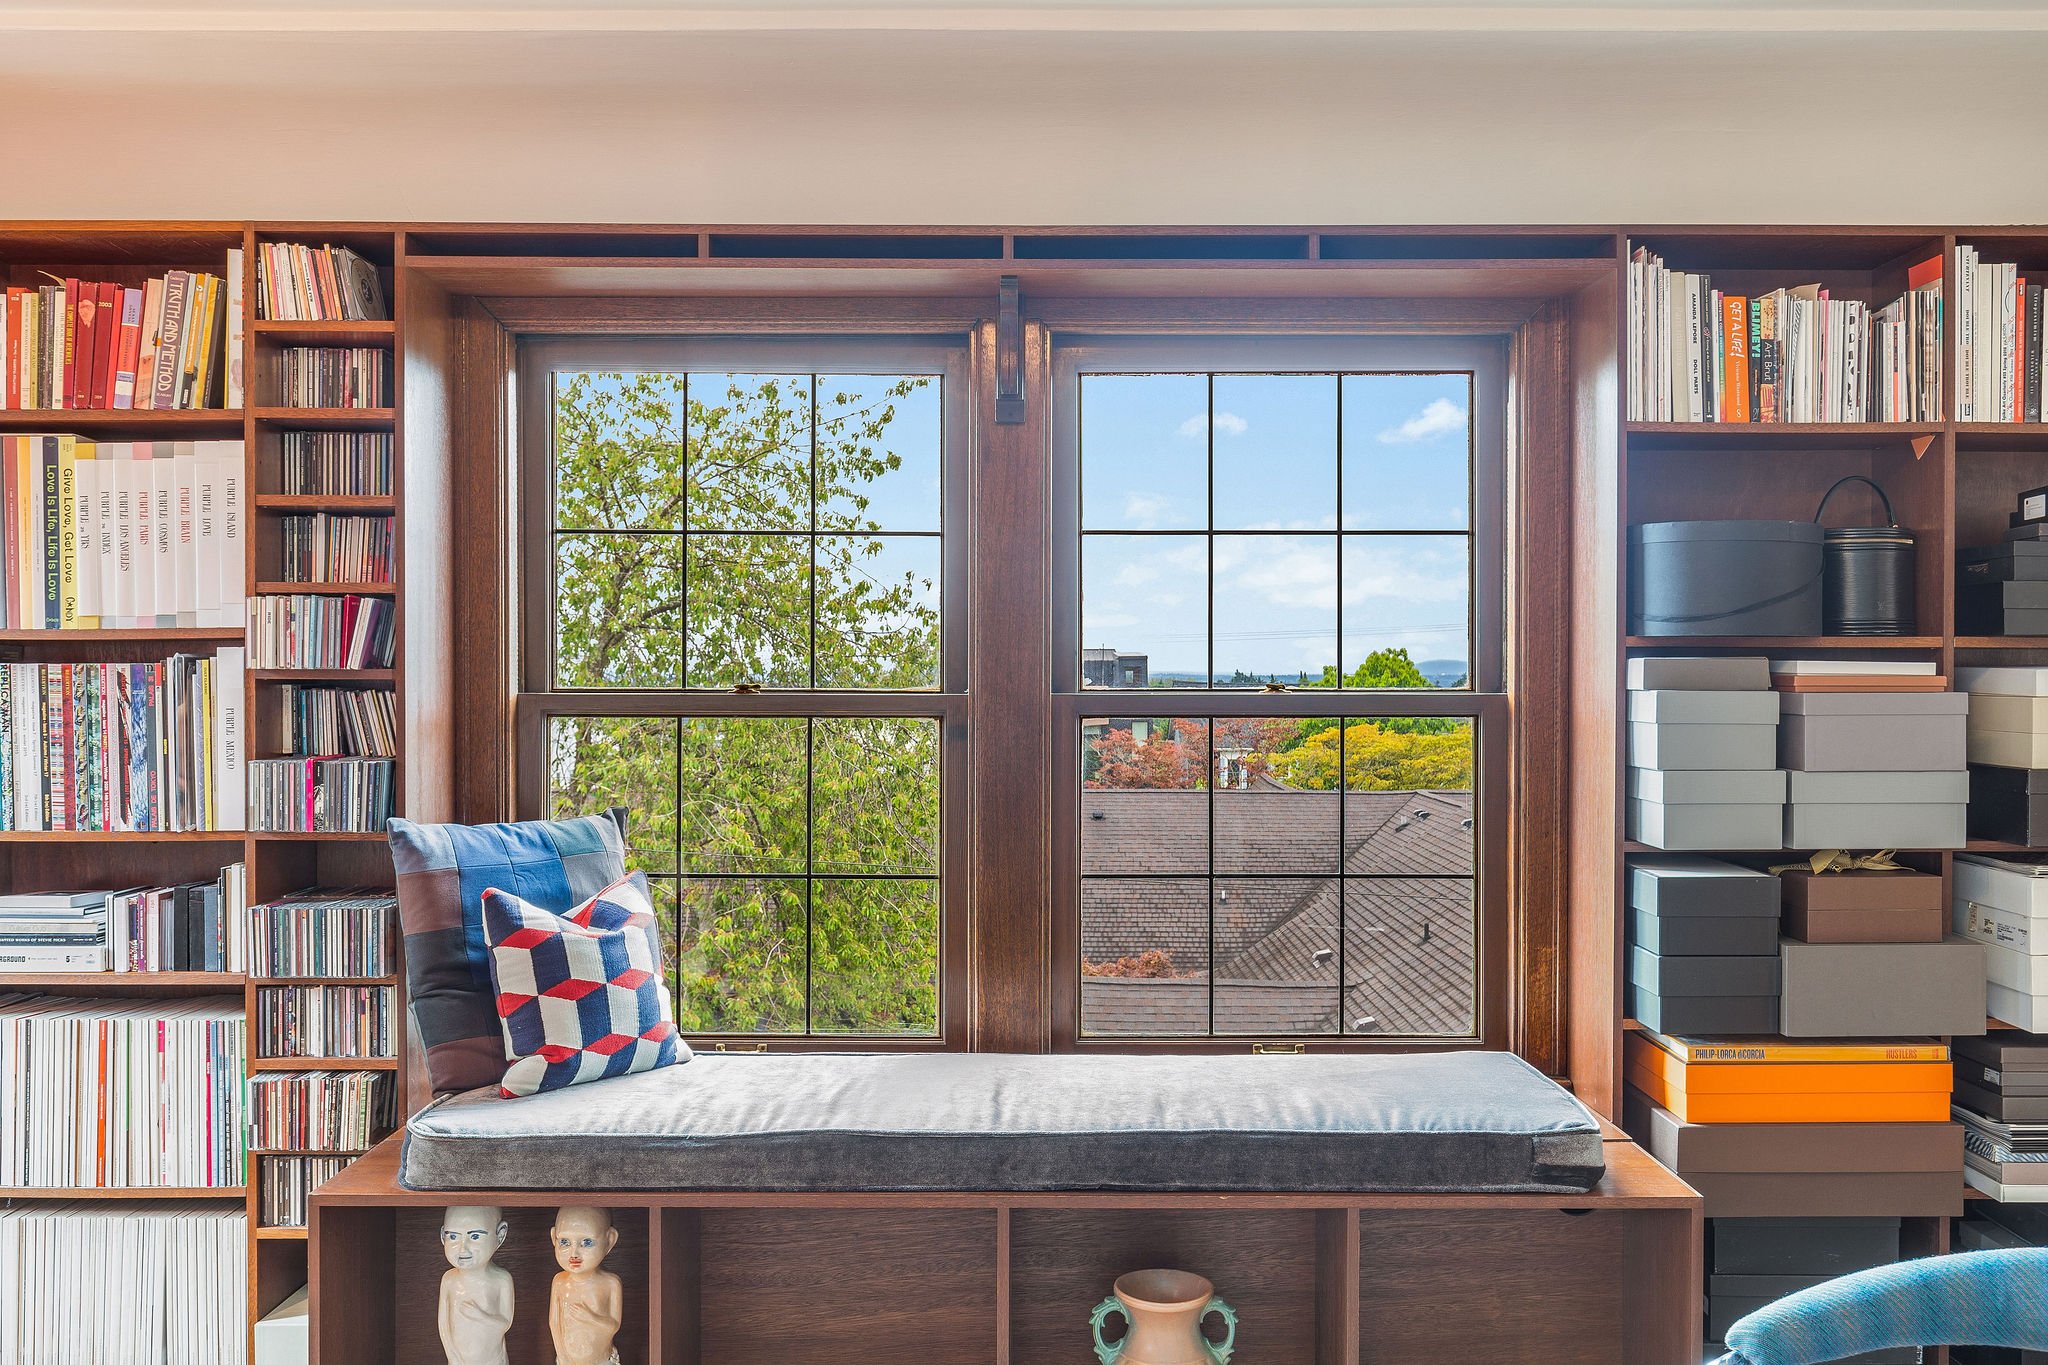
67 533
152 337
85 513
1735 361
128 349
50 560
177 296
106 338
2033 344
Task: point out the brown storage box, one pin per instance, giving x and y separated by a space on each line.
1857 1194
1862 890
1864 926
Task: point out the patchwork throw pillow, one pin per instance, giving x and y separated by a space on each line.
443 871
581 995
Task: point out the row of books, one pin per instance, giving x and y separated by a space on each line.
324 1021
88 344
335 463
147 747
333 377
284 1184
112 1282
314 630
1698 354
1999 346
360 722
323 933
127 534
296 283
323 547
321 795
319 1111
96 1094
190 927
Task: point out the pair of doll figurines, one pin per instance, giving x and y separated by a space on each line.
585 1306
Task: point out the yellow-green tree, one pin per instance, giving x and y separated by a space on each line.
1379 758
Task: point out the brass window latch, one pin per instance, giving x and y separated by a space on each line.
1278 1049
739 1047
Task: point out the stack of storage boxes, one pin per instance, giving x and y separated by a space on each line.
1703 946
1875 769
1703 768
2002 1099
2008 753
2002 904
1755 1261
2003 589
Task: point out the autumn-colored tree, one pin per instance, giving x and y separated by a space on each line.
1378 757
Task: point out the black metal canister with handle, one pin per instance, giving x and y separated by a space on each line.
1866 572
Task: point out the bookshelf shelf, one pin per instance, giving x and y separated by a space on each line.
137 1192
347 675
346 836
140 982
2002 642
1774 435
323 502
328 589
88 421
266 1234
323 980
1784 643
146 636
323 1063
64 836
353 419
334 333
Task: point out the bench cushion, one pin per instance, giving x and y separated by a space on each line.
1463 1121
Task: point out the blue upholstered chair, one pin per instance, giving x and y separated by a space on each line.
1977 1298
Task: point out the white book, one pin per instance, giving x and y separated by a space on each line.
108 461
1965 329
163 571
85 480
46 958
129 536
1985 391
1856 668
231 481
1695 346
206 568
185 534
1675 285
231 781
232 396
28 748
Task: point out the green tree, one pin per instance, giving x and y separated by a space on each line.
729 815
1380 757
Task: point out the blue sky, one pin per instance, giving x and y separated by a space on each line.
1404 446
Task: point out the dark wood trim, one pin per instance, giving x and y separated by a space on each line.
486 585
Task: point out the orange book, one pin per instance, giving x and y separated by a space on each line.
1789 1078
1735 360
1925 273
1916 1107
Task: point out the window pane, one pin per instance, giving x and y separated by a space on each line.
878 611
879 443
875 796
595 762
750 452
1144 956
750 604
1411 966
1144 452
741 956
1273 815
1144 799
618 611
1276 609
618 451
875 956
1276 955
1275 452
1407 595
1145 598
742 803
1407 452
663 892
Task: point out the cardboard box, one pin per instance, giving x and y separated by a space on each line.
1731 1298
2019 1083
1984 618
1863 907
1734 673
1703 827
1707 935
1812 825
1866 990
1683 1014
1802 1245
1709 786
1656 744
1692 886
1921 732
1718 976
2000 883
2000 1107
1704 708
2009 804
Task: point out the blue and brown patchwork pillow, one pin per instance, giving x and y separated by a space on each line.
581 996
443 871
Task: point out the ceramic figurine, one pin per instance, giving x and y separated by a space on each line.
1165 1309
476 1295
586 1305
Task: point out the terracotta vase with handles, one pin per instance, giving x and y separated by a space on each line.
1165 1309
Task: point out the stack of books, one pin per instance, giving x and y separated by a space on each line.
359 722
1789 355
335 463
86 344
131 534
319 1111
323 933
105 1095
54 931
195 927
1998 342
324 1021
287 1182
115 1282
308 630
333 377
2002 1102
149 747
326 548
297 283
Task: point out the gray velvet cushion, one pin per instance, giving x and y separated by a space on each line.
1465 1121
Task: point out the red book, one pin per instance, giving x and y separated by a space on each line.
107 322
85 331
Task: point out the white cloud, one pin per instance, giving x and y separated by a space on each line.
1439 417
1143 510
1228 423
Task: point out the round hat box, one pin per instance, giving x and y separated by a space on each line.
1725 578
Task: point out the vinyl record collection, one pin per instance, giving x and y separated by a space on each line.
285 1184
318 1111
324 1021
320 795
305 630
325 548
323 933
335 463
333 377
296 283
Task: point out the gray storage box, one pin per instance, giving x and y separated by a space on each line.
1920 732
1877 810
1732 673
1656 744
1703 935
1701 886
1716 976
1875 990
1800 1246
1725 578
1704 707
1702 1015
1732 826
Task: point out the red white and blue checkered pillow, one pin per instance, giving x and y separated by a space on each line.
581 995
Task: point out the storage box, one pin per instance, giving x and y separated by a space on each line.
1731 1298
1704 1014
2007 748
1865 990
1697 1149
2001 608
1921 925
1876 810
2002 928
1919 732
2005 1051
1725 578
1733 673
1704 708
2014 969
1801 1246
2007 711
2004 681
1701 886
1831 892
2001 883
1684 827
1653 744
1706 935
2017 1008
1719 976
2009 804
282 1336
2023 561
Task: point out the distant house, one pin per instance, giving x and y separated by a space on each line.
1408 939
1107 668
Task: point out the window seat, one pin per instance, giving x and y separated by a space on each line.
1467 1122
